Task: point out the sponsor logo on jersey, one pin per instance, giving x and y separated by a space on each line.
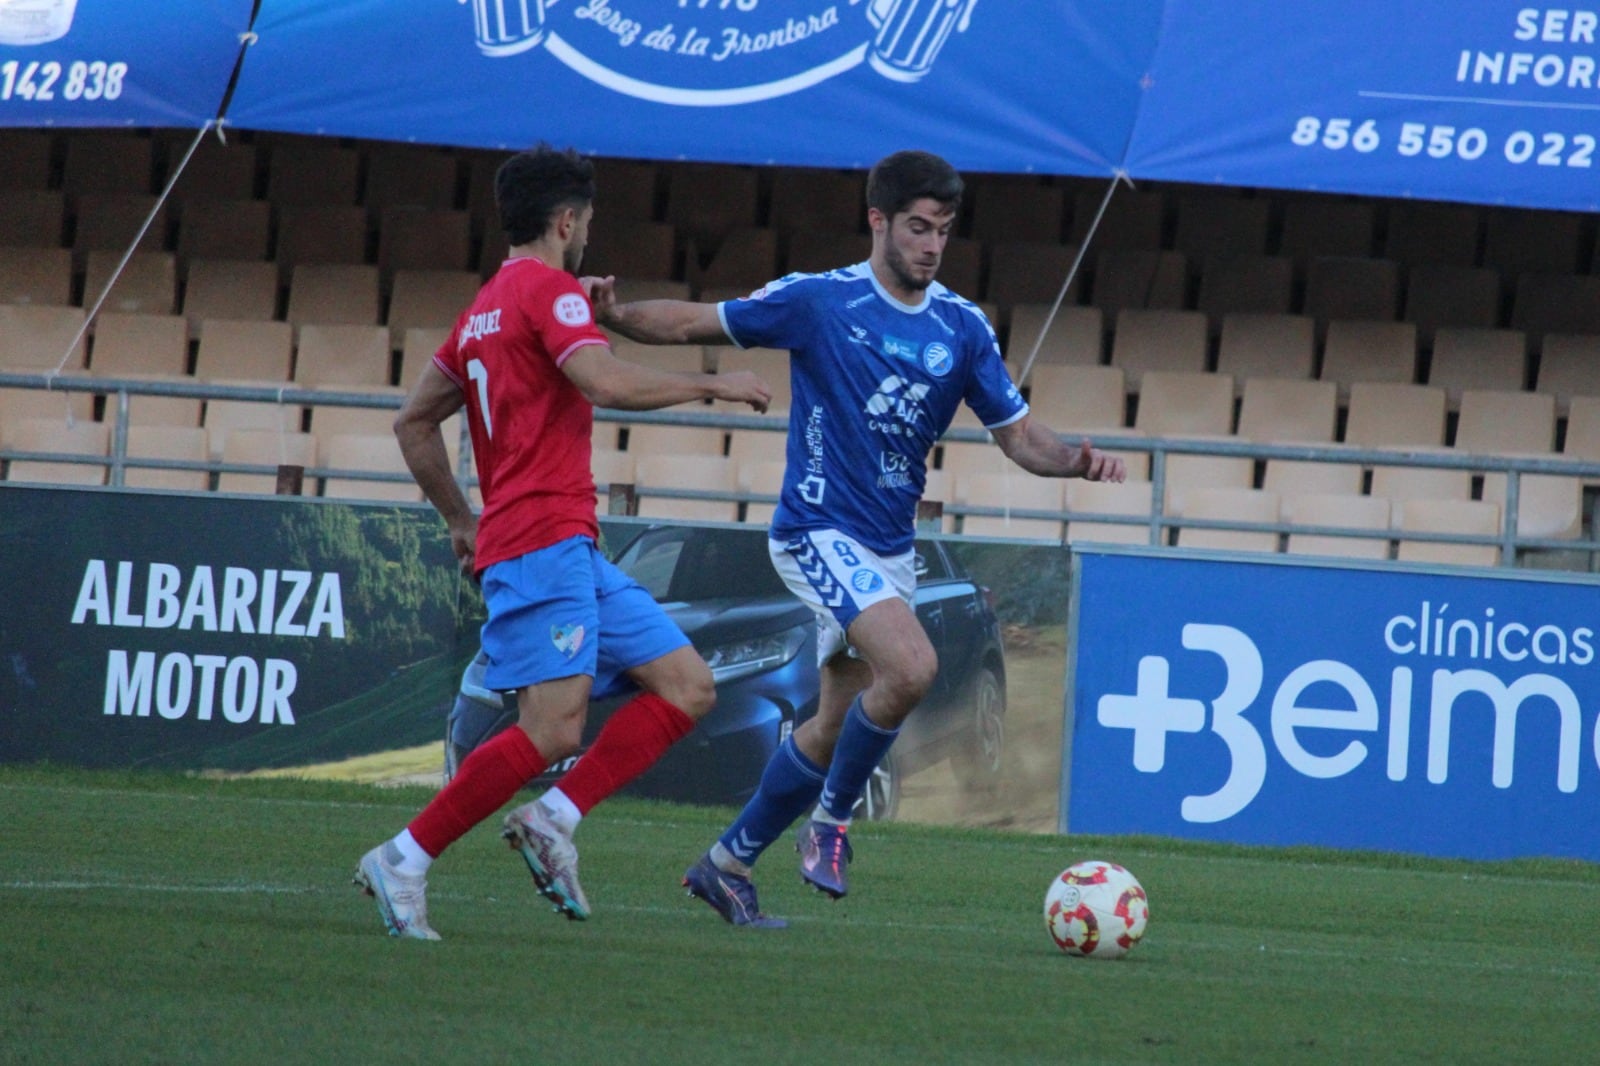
859 336
859 300
571 309
480 325
895 405
938 359
567 639
894 470
865 580
899 349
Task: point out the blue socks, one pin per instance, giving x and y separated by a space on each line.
789 785
861 748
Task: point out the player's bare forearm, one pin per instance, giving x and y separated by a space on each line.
1037 449
654 321
620 385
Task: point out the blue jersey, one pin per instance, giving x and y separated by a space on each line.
875 383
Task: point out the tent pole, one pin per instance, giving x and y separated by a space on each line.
122 265
1088 238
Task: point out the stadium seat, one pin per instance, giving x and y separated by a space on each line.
319 233
655 470
264 447
628 188
1477 359
1436 233
25 158
806 200
402 176
1369 351
1260 346
1133 219
764 477
678 358
32 218
1315 228
1076 337
494 251
627 248
149 282
335 355
223 418
108 222
1338 510
1213 227
1031 272
1185 403
40 337
1404 484
1447 294
1447 516
1017 210
1072 399
961 269
312 171
155 409
1517 242
1158 340
707 200
1127 498
1352 289
1252 283
76 437
237 350
1495 422
1569 366
1230 505
1016 490
648 439
958 459
745 259
417 238
1555 303
216 171
1548 505
229 288
333 420
1295 477
1185 474
1388 414
377 453
35 276
1278 410
812 251
429 299
224 229
107 162
1139 279
1582 439
769 364
757 446
417 351
178 443
127 345
333 294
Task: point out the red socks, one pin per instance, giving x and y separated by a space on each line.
487 778
633 738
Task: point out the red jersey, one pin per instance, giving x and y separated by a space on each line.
530 425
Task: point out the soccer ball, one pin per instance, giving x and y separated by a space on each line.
1096 909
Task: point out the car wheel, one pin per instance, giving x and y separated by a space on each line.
882 798
977 763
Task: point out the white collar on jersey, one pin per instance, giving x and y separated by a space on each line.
910 309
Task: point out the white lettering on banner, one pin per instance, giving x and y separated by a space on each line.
240 688
269 604
1512 641
1152 712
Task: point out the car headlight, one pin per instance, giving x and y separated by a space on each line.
753 655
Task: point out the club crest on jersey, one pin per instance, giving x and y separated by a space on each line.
571 309
567 639
938 359
864 580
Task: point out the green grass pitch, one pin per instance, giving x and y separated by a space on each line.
158 918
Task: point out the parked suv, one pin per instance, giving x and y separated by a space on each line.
720 587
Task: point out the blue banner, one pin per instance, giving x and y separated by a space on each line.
1490 102
1034 85
1275 702
113 63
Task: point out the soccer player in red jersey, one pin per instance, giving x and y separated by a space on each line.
529 364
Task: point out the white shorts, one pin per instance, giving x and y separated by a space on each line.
838 578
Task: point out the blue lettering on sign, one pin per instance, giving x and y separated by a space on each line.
1373 708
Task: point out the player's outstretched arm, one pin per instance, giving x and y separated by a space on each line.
433 399
1036 448
607 381
654 321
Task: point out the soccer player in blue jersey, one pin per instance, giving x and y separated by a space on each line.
882 354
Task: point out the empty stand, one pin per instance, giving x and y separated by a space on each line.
1158 340
31 218
175 443
320 233
154 409
1128 498
1031 272
628 248
25 158
1341 511
764 477
1016 490
1260 346
334 420
1449 294
1017 210
411 177
333 294
1569 366
1352 289
1139 279
336 355
216 171
76 437
705 201
1548 506
757 446
1323 227
35 276
805 199
812 251
1185 474
417 351
1179 403
769 364
745 259
1252 283
109 222
229 288
38 337
1386 414
627 187
263 447
1369 351
649 439
1519 242
1298 477
1133 219
1284 411
1582 440
1076 337
1230 505
1477 359
1447 516
429 299
1404 484
1073 399
418 238
1493 422
223 418
1430 232
148 284
377 453
105 162
656 470
224 229
1555 303
312 171
1221 227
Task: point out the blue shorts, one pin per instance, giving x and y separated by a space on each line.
565 610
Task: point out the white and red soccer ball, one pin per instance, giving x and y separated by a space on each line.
1096 909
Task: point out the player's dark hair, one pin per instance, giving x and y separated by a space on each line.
901 179
531 187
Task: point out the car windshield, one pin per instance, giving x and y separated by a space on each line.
684 564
